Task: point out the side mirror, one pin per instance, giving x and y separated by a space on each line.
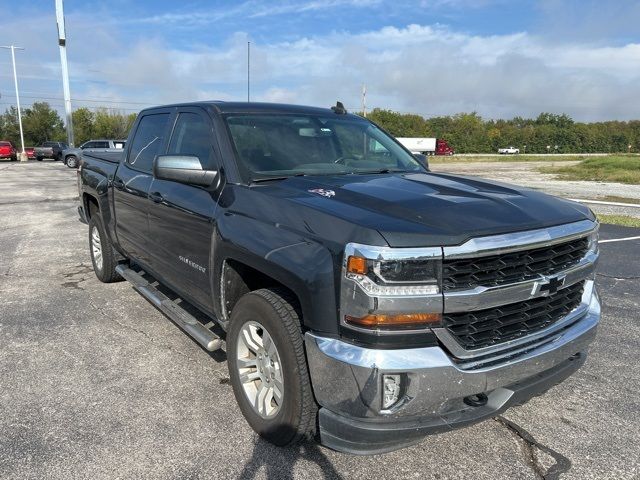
183 169
422 159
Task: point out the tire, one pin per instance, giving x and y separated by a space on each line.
103 256
39 159
57 158
271 313
72 161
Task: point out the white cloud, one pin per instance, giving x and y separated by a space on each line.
431 70
251 9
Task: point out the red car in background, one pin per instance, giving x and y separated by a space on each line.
7 150
31 152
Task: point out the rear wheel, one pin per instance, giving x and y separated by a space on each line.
268 369
103 255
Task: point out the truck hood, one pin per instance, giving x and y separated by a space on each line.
426 209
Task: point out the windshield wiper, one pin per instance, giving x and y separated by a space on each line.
382 170
268 179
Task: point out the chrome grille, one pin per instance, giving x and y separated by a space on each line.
482 328
494 270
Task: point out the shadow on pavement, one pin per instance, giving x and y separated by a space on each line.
279 462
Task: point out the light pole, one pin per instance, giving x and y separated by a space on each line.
364 100
62 43
13 49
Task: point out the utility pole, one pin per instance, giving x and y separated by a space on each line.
248 70
62 43
364 100
13 49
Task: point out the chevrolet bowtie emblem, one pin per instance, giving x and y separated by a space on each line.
548 285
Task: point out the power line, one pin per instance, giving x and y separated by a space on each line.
75 99
90 107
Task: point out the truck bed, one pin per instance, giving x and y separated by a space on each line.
111 155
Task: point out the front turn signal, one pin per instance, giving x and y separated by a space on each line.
357 265
401 321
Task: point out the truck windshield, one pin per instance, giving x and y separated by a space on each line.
272 145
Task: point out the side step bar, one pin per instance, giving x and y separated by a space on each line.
184 319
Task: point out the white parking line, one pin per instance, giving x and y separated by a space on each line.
601 202
619 239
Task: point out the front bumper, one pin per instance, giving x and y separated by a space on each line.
348 382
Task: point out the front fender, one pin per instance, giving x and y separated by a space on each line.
304 266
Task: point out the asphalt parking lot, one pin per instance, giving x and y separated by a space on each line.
96 383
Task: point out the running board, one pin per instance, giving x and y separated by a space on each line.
175 312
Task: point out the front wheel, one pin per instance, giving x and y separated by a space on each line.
72 161
268 368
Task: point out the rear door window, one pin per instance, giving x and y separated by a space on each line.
148 141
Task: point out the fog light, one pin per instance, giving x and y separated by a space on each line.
391 392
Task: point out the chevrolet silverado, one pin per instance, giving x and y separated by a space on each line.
359 297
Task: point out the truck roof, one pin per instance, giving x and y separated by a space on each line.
252 107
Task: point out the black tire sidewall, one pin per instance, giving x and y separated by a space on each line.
108 273
283 428
97 224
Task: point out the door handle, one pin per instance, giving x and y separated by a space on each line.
118 184
156 197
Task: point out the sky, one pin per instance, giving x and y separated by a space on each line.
499 58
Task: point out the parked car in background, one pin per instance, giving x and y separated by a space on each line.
7 150
508 151
31 152
71 156
50 150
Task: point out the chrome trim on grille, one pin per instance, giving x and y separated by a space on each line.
456 350
373 252
513 242
481 298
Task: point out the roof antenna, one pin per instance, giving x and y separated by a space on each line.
339 109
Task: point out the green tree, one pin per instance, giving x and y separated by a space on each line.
41 123
399 124
9 127
110 124
83 119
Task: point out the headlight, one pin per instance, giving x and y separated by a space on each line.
386 289
395 277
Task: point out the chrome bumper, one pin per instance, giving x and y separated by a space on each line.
347 381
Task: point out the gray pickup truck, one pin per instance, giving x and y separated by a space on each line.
358 296
50 150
